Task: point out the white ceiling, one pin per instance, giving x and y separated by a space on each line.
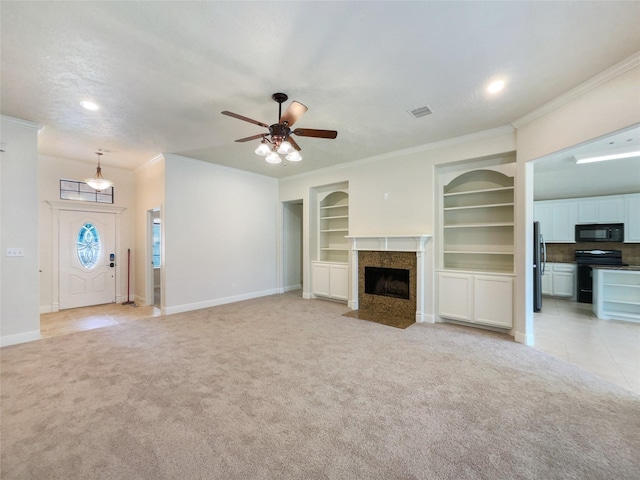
163 71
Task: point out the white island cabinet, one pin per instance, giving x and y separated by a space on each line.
616 293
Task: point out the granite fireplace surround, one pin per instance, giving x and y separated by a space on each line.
396 251
382 305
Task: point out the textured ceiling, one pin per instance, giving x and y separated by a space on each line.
163 71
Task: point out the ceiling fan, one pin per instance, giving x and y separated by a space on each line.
278 139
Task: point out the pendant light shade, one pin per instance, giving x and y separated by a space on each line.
98 182
273 157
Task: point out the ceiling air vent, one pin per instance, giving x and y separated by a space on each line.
420 111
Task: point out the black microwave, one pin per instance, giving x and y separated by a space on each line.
600 232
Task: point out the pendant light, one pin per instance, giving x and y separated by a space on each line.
97 181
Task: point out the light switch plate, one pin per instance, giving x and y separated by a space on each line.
15 252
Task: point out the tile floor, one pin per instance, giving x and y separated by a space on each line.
567 330
608 348
88 318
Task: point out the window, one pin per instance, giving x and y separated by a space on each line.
88 246
156 243
74 190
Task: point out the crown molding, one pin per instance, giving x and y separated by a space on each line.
20 123
591 84
493 132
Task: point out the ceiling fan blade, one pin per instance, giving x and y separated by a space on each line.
293 113
240 117
253 137
310 132
293 143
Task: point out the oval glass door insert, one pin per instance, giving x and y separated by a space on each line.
88 246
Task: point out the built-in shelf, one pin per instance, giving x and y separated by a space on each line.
616 294
334 227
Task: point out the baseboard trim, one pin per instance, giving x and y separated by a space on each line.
46 309
308 295
525 339
292 287
425 318
24 337
187 307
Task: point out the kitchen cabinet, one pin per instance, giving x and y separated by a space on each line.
632 218
330 280
560 280
616 294
608 209
557 220
482 299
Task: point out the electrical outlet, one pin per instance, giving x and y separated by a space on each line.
15 252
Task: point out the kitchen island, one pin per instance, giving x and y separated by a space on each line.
616 292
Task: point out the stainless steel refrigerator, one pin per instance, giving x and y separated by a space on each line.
539 262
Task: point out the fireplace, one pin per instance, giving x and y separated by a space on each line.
387 282
390 254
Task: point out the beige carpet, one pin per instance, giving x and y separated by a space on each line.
286 388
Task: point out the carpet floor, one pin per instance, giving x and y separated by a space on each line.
285 388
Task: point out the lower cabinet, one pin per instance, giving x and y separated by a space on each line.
476 298
330 280
559 280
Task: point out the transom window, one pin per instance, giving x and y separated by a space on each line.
88 246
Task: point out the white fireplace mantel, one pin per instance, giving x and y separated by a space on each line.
391 243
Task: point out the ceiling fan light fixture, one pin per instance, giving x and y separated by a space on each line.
294 157
285 148
98 182
263 149
273 157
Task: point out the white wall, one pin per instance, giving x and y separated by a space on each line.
50 171
219 234
407 177
149 188
19 315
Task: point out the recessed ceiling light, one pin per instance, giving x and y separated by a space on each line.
495 87
90 105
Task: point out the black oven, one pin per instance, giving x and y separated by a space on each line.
586 258
600 232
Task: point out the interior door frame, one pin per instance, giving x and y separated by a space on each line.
150 283
57 206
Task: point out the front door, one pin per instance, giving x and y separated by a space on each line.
87 258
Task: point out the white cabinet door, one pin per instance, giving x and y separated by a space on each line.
493 303
455 296
611 210
563 284
587 211
339 282
632 218
563 221
542 214
320 284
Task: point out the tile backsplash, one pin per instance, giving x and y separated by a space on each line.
565 252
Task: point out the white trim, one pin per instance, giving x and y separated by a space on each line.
290 288
525 339
20 123
24 337
187 307
46 309
85 206
591 84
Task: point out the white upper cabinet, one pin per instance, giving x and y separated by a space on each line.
601 209
557 220
632 218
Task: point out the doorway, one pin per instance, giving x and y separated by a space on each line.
154 260
292 217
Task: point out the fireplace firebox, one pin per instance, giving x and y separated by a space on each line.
387 282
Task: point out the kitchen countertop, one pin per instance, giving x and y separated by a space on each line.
630 268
